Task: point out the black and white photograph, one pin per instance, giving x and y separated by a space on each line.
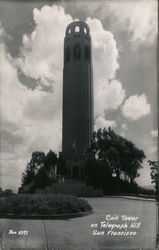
79 164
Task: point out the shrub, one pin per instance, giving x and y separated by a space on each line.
40 204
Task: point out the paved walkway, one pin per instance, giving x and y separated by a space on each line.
76 234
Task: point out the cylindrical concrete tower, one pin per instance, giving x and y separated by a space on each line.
77 89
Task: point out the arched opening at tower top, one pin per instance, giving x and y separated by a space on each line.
85 30
77 29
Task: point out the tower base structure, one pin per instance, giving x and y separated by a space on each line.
75 165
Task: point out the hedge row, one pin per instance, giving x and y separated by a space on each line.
43 204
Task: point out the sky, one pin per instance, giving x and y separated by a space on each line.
124 52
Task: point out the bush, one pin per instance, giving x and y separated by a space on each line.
43 204
147 191
98 175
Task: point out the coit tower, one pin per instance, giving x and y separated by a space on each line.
77 90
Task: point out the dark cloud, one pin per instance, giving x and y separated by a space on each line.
28 81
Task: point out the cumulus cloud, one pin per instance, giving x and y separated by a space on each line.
129 16
42 50
111 96
153 149
109 93
136 107
105 53
124 126
154 133
123 130
27 110
24 120
4 36
12 102
101 122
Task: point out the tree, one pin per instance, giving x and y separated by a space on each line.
42 178
36 162
97 175
50 160
154 167
132 159
37 173
120 155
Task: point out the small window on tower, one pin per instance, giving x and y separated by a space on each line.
77 52
87 52
77 29
69 31
67 54
85 30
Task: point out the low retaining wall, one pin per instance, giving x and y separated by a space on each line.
77 189
45 217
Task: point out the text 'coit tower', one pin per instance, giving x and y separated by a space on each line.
77 89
